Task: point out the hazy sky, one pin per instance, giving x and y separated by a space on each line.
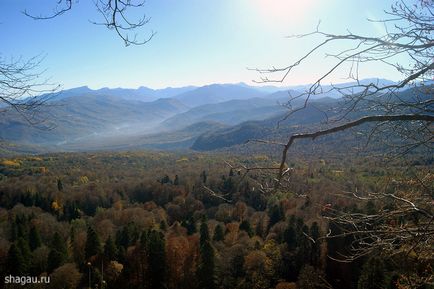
197 41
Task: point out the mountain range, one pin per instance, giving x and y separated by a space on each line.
201 118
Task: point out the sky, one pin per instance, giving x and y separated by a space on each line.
197 42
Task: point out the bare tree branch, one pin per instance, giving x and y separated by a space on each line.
115 17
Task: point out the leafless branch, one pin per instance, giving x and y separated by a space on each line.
115 17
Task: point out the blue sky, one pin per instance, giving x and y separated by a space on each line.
197 42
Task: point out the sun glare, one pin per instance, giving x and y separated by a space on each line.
280 11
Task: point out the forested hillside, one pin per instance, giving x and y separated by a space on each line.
165 220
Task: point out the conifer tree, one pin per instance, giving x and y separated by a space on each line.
93 244
245 226
18 228
289 237
372 275
58 253
259 230
276 215
59 244
59 185
157 260
163 225
206 269
23 246
203 176
219 235
190 225
15 264
204 233
110 250
315 248
176 181
34 238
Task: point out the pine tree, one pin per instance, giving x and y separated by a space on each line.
59 185
18 228
156 260
23 246
203 176
176 181
259 230
55 260
163 225
110 250
315 248
276 215
245 226
165 180
15 264
34 238
58 253
219 235
190 225
231 173
93 244
59 244
372 275
206 269
289 237
204 233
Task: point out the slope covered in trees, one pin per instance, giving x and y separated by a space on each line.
160 220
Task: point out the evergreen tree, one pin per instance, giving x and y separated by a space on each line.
206 268
15 264
55 260
59 244
34 238
176 181
372 275
165 180
231 173
228 186
93 244
59 185
58 253
245 226
315 248
23 246
110 250
237 266
18 228
70 211
204 233
163 225
259 229
289 237
219 235
190 225
276 215
203 176
156 260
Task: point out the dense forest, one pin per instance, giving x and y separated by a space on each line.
195 220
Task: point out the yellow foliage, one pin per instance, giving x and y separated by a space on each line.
10 163
55 206
261 158
36 159
84 179
183 159
118 205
